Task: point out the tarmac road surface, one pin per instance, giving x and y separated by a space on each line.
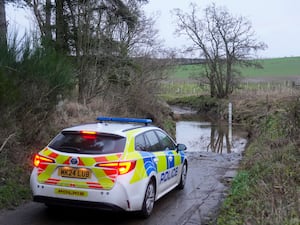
207 183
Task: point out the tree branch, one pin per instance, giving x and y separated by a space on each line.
6 140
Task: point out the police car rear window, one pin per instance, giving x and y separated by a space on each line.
75 142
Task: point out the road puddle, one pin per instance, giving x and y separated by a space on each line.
203 136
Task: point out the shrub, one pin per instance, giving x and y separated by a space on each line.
30 81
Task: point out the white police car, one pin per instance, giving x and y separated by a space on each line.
116 163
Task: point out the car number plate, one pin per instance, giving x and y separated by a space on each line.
61 191
71 172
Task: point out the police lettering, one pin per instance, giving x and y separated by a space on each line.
165 176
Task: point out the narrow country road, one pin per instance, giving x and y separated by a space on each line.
205 189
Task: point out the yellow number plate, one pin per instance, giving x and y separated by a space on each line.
71 172
62 191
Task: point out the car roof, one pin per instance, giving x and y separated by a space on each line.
109 128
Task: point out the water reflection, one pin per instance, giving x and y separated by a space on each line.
207 136
219 139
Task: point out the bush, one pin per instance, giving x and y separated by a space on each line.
31 79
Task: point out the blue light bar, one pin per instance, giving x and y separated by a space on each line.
124 120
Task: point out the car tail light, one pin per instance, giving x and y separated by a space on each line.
38 159
122 167
88 134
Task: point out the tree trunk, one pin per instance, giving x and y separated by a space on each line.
3 25
48 31
212 87
61 27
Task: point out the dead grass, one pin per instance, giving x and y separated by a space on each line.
274 195
271 193
19 141
254 105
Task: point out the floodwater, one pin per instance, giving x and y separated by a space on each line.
200 135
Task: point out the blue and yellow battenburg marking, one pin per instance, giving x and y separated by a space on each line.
167 169
149 164
145 166
105 179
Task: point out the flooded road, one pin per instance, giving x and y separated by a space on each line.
209 173
203 136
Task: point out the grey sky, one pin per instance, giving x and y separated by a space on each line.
276 22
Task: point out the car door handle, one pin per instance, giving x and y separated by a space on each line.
155 160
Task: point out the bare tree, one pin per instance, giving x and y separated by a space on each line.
90 31
223 40
120 54
109 40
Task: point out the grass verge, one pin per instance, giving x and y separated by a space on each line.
267 187
13 186
266 190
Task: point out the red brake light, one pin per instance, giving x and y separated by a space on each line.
38 159
121 167
88 134
126 167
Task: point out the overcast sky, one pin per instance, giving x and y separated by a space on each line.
276 22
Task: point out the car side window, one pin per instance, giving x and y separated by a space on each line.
140 143
154 143
166 141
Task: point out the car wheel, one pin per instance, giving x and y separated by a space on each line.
183 176
149 199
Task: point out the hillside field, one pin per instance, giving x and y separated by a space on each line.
274 67
277 74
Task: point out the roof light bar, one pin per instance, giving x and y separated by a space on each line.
124 120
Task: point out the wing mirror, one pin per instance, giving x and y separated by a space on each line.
181 147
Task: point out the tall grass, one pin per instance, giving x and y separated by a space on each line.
178 88
266 189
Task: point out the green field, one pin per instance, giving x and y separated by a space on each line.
275 67
277 74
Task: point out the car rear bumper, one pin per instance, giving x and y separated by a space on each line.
76 203
117 198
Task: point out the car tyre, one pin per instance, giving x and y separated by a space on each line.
149 200
183 177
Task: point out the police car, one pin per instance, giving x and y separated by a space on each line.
116 163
